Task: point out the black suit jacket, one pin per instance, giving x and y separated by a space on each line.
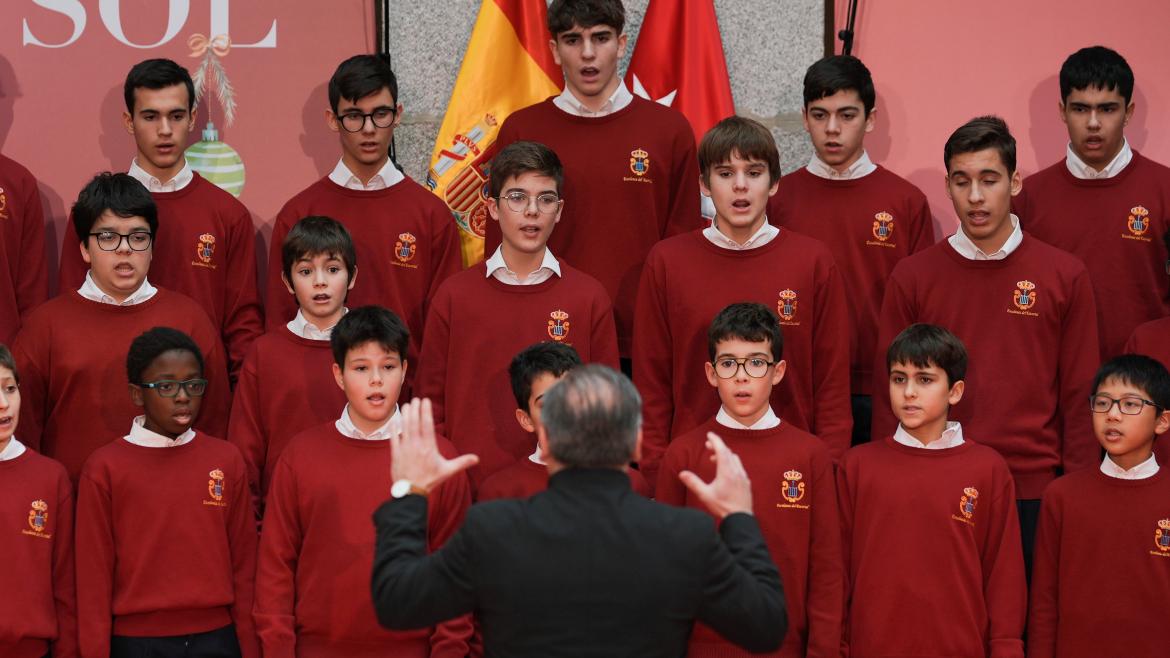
586 568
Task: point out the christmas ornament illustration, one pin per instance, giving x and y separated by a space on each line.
213 159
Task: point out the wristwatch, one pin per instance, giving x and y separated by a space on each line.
403 488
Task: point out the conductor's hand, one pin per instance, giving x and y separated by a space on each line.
731 490
415 456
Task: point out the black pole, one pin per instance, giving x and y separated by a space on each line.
382 43
846 35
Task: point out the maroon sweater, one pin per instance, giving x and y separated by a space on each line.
869 224
24 277
525 478
1101 580
932 553
1124 250
317 551
39 606
406 241
475 327
631 179
1153 340
206 249
1031 360
286 386
795 501
687 282
166 543
71 355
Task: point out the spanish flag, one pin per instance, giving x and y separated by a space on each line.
508 66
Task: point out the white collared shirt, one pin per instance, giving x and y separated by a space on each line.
1146 469
92 292
154 185
967 249
140 436
387 176
15 449
300 326
861 168
766 234
619 99
497 268
766 422
951 437
535 457
392 427
1077 167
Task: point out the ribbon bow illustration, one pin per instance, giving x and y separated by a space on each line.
211 50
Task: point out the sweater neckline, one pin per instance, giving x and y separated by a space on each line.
739 254
1154 479
593 121
837 183
189 188
481 272
385 192
116 308
963 447
1024 248
1100 182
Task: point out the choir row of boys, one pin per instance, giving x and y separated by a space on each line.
812 281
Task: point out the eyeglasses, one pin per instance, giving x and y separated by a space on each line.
169 388
111 241
1101 404
353 122
754 366
547 204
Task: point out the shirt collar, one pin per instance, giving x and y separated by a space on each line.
967 249
300 326
1077 167
154 185
618 100
1144 470
92 292
496 267
766 422
766 234
863 167
535 457
392 427
15 449
387 176
951 437
140 436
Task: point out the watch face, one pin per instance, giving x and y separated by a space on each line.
400 488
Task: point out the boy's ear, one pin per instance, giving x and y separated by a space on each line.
287 284
136 396
85 251
332 122
703 186
1162 423
956 392
352 278
337 376
525 420
493 207
779 371
128 121
712 378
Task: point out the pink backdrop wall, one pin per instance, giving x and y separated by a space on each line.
937 64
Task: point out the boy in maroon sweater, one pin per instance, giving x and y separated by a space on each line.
1104 202
39 609
793 492
166 543
24 277
929 521
285 385
207 248
869 217
521 295
1117 515
689 278
629 162
405 236
316 553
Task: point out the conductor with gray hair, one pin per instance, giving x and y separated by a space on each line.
587 567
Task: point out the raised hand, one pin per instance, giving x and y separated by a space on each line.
731 490
415 455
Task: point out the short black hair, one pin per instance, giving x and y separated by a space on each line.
925 345
564 14
153 343
157 74
315 235
1099 67
746 321
839 73
369 324
742 136
981 133
520 158
1139 371
120 194
6 361
360 76
535 360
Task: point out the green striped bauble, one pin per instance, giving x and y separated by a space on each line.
217 162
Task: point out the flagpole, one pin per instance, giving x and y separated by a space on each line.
382 45
846 35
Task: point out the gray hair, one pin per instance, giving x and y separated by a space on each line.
592 418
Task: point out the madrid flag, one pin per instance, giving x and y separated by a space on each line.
678 62
507 66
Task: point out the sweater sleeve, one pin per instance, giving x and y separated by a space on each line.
447 249
831 415
1079 360
1003 572
243 321
72 268
825 570
246 427
449 639
603 347
922 224
217 400
897 314
684 213
430 382
279 305
653 366
670 489
30 351
32 282
280 546
95 556
64 575
845 521
1043 617
242 543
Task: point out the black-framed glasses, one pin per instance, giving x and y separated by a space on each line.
754 366
169 388
111 241
353 122
1130 406
546 203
